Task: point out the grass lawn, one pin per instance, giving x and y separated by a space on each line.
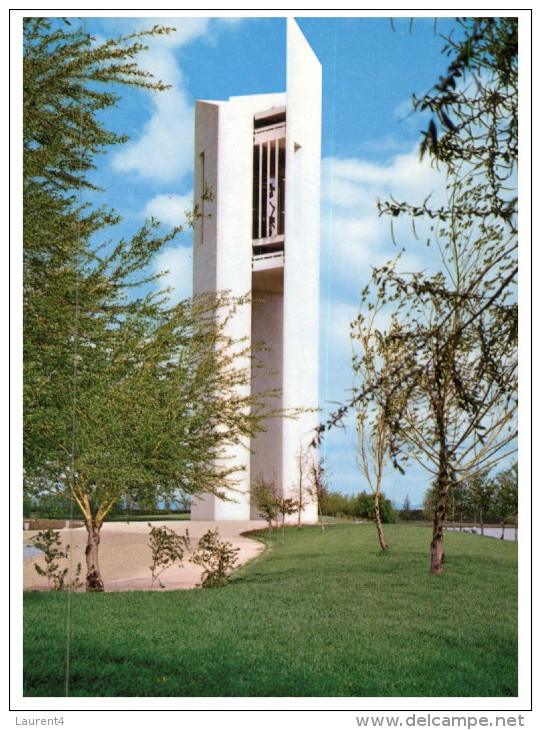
326 614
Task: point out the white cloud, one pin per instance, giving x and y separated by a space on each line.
163 152
354 237
353 240
170 209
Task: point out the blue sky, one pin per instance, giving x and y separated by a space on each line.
370 143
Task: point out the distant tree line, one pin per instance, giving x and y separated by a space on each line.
482 499
53 506
358 506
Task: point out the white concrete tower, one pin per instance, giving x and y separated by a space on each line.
260 235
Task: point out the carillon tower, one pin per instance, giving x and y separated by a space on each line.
260 155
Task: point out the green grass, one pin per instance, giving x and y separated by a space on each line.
326 614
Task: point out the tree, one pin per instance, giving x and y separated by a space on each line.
364 506
406 508
306 493
480 495
453 377
286 507
319 487
372 359
124 394
454 336
506 497
264 498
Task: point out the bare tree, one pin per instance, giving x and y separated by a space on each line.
371 363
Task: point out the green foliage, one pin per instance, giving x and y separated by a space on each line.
405 514
337 504
218 558
28 506
318 488
126 397
53 506
359 506
363 508
443 372
50 543
506 495
480 498
167 548
373 624
287 507
263 497
475 115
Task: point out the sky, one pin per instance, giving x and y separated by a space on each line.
370 149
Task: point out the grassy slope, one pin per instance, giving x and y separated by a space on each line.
327 614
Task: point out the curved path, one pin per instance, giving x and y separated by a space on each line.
125 553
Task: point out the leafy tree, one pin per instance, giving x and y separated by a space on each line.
286 508
406 508
457 501
264 498
453 336
124 394
506 497
364 506
318 488
453 382
480 495
337 504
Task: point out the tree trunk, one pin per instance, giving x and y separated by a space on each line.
300 492
436 546
481 525
503 530
377 518
94 582
320 515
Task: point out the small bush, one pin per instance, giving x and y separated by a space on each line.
216 557
266 501
364 508
49 542
167 548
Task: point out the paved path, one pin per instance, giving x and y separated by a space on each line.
509 532
125 553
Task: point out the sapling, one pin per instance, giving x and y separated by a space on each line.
286 507
218 559
266 502
167 548
49 542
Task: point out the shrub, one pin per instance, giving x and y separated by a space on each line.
49 542
364 508
167 548
216 557
266 502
